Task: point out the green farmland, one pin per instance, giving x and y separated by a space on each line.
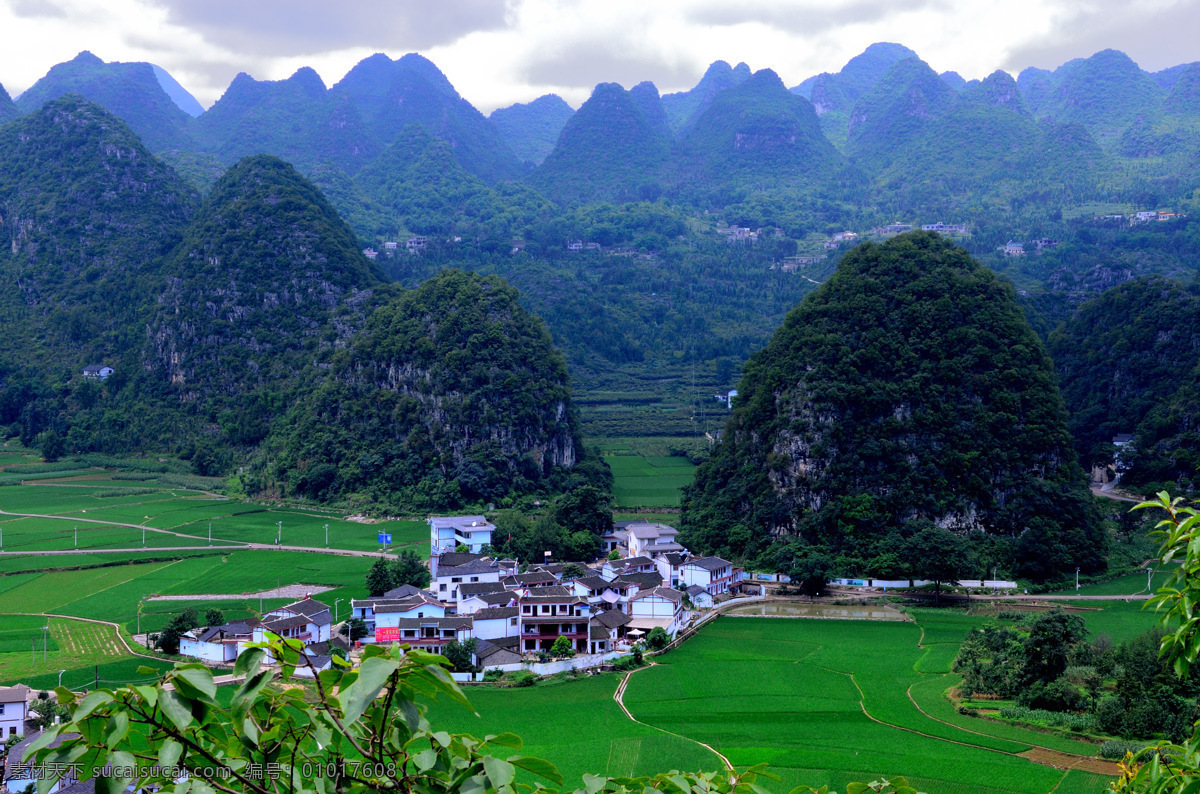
649 481
819 701
109 514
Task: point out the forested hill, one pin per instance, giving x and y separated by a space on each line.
1127 363
452 393
88 216
532 129
8 111
251 292
907 391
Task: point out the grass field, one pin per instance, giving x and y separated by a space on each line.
575 724
649 481
819 701
83 650
112 593
184 516
1128 584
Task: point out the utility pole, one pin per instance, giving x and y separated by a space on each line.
335 606
45 640
279 536
1149 579
210 533
143 536
77 538
326 538
1076 579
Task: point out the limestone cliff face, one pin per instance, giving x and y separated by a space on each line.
453 382
908 389
252 292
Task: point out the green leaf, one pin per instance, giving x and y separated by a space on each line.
198 678
538 767
41 742
425 759
90 703
177 709
372 675
115 729
505 740
500 773
249 661
170 753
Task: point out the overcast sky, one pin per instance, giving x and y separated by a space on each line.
497 52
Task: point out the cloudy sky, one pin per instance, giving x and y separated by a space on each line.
497 52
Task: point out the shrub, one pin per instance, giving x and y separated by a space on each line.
522 678
626 663
1057 719
493 675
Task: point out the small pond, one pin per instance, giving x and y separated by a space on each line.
780 609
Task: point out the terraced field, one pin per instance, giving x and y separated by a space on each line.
649 481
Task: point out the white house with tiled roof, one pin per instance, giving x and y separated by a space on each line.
644 539
712 573
14 708
657 607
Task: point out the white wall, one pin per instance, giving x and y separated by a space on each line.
209 651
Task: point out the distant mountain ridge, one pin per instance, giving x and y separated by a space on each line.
532 129
131 91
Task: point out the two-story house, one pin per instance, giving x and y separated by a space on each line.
712 573
14 708
447 533
448 579
657 607
545 617
307 620
651 540
668 566
218 643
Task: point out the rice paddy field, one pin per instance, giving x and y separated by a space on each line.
648 481
822 702
96 512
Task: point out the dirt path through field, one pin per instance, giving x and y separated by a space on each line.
619 696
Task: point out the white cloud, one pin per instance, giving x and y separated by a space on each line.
501 51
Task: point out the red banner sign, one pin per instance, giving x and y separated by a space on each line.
387 634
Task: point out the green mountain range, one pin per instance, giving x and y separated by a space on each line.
685 107
609 150
296 119
755 133
532 129
391 95
834 95
905 392
131 91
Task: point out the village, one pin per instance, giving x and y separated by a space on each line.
511 614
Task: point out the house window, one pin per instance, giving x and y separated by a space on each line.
442 587
456 579
474 578
512 621
545 609
2 708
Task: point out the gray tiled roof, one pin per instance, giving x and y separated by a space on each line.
496 613
710 563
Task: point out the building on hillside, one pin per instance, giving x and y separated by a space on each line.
1044 243
1142 217
845 237
545 618
390 246
447 533
650 540
656 607
218 644
1012 248
97 372
370 253
945 228
387 611
429 633
14 709
530 579
416 244
470 603
712 573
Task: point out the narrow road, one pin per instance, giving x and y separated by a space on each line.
619 696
